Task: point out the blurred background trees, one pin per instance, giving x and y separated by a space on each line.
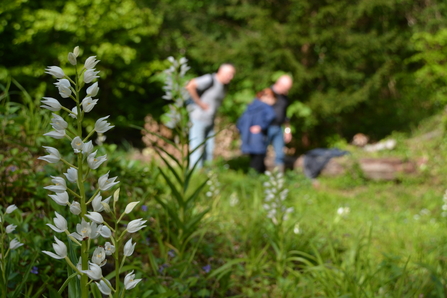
369 66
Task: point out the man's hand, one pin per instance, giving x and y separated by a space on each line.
287 135
255 129
204 106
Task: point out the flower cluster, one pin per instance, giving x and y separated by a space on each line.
213 185
444 205
68 189
275 195
6 231
175 91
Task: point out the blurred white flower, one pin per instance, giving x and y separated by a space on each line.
130 207
72 58
60 222
10 228
105 232
53 157
10 209
105 183
64 87
75 208
94 162
72 175
104 287
76 51
109 248
93 90
88 148
56 134
14 244
77 144
51 104
101 126
343 211
86 230
58 123
88 104
136 225
94 271
95 217
55 71
61 198
59 184
99 256
90 62
130 282
74 113
97 203
129 248
90 75
60 248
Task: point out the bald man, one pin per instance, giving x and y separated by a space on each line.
276 136
207 93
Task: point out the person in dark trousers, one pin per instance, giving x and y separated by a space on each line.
276 136
253 125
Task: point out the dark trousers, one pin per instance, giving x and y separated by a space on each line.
257 162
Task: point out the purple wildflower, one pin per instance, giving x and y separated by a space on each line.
207 268
171 253
162 268
35 270
144 208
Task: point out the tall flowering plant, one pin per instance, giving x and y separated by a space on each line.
95 238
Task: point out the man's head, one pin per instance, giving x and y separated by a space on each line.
225 73
283 84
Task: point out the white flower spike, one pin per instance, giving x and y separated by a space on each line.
129 248
109 248
88 148
58 123
136 225
14 244
77 144
94 272
60 222
53 157
55 134
88 104
91 62
93 90
10 228
99 256
130 282
59 184
60 248
51 104
55 71
97 203
104 287
95 217
101 126
72 175
94 162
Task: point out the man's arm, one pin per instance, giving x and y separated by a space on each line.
287 133
191 87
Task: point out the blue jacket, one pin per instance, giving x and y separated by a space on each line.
257 113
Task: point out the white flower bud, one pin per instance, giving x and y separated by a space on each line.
75 208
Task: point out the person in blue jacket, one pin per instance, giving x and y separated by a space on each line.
253 125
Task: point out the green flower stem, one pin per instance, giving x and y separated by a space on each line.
73 193
92 197
72 238
89 135
109 285
3 259
107 225
67 110
67 259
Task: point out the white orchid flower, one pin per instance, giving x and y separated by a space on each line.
51 104
76 51
10 209
53 157
14 244
95 217
130 207
60 248
72 175
75 208
129 248
61 198
136 225
93 90
90 75
59 184
88 104
97 203
101 126
94 271
77 144
88 148
58 123
99 256
64 87
105 183
74 113
55 134
104 287
55 71
105 232
94 162
72 58
91 62
60 222
10 228
109 248
86 230
130 282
